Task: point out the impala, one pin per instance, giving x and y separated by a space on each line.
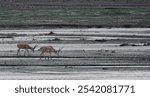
25 46
49 49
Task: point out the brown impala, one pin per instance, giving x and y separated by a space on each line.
25 46
49 49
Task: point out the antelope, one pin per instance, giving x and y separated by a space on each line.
49 49
25 46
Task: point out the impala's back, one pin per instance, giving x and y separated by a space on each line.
23 46
47 49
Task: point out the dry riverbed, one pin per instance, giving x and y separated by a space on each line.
116 53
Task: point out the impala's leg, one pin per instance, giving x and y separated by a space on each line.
24 52
50 56
28 52
41 55
47 57
44 56
18 52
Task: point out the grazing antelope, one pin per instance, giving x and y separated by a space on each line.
49 49
25 46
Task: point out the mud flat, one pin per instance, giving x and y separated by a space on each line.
117 53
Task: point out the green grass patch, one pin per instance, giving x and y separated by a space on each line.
91 16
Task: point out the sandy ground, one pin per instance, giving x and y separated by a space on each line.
76 73
87 54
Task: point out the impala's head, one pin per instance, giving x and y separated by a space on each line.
39 49
33 48
58 51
